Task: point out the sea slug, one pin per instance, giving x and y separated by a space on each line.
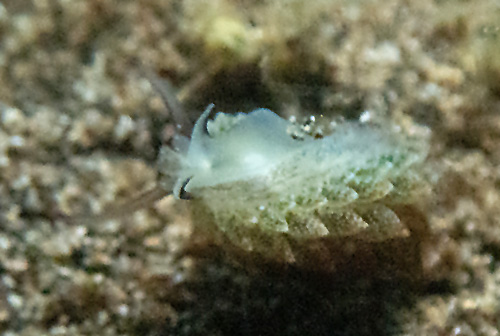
257 184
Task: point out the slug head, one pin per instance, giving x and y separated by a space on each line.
230 148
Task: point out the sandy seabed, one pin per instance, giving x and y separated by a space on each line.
81 128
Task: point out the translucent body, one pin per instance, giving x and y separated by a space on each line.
255 184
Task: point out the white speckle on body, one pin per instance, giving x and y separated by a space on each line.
366 116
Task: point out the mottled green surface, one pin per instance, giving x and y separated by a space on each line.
265 190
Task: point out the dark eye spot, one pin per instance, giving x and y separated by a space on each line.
183 194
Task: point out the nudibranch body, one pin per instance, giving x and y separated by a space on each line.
257 184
